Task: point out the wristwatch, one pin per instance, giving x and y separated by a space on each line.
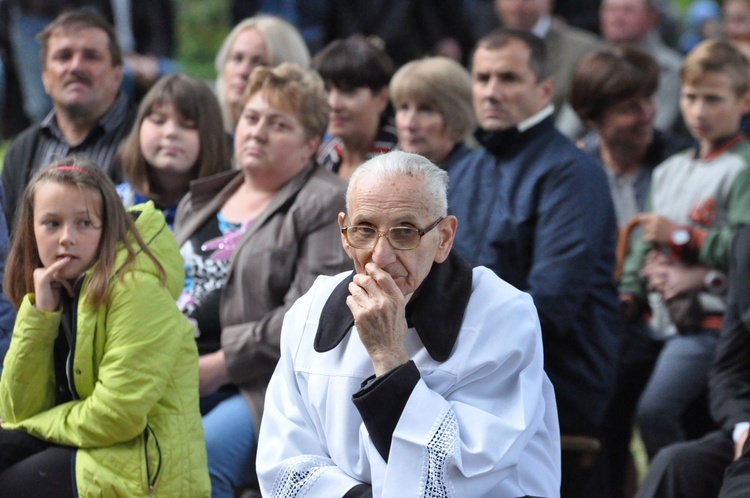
679 238
716 282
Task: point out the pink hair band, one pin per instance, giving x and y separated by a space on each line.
70 167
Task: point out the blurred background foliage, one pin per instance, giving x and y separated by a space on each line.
201 27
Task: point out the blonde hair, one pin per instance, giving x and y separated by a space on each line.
295 89
283 44
441 83
117 228
717 56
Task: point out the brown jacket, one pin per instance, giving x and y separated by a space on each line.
275 262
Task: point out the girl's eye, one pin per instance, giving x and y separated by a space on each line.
189 124
156 118
50 223
86 223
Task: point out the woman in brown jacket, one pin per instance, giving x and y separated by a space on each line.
254 240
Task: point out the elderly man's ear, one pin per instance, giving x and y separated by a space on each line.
447 231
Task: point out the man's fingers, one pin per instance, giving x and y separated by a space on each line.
383 279
357 289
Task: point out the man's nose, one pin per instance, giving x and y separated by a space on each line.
382 253
76 61
493 89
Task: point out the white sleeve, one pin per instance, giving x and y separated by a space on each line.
494 433
301 465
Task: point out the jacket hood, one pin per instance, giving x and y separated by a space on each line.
160 240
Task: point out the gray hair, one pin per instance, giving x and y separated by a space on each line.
399 163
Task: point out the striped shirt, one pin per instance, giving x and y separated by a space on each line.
99 145
330 152
44 142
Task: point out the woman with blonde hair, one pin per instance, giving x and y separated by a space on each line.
261 40
432 100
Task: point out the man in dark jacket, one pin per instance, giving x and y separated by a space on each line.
81 72
538 212
721 459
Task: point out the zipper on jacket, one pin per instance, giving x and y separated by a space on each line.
149 478
72 337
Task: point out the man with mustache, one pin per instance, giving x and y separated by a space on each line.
538 212
81 72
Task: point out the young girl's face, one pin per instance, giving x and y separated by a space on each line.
67 224
169 142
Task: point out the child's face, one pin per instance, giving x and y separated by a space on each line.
711 108
169 142
67 223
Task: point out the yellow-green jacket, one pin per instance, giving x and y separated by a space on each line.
135 371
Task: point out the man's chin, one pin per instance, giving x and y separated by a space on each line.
495 125
75 107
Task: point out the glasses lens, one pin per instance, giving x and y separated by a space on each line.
403 237
361 237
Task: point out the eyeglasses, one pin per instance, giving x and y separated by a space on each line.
400 238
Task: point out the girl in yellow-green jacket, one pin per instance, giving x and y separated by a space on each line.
99 392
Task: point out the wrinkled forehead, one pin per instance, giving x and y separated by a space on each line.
397 198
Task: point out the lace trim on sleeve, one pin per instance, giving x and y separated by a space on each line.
298 475
440 451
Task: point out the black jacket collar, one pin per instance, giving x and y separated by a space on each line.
436 313
508 142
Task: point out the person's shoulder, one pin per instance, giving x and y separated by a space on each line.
561 150
492 296
326 181
24 139
742 149
666 144
470 158
487 281
310 306
321 193
667 166
568 34
209 186
158 238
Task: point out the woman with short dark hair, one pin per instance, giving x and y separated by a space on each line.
356 71
612 92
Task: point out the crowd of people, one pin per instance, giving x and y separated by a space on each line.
197 300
